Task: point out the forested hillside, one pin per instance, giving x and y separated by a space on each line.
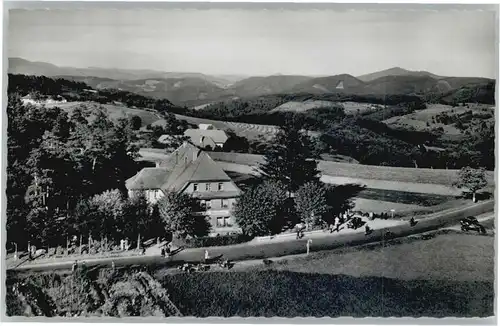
79 91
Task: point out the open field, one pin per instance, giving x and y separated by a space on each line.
358 108
448 256
381 206
449 275
294 106
247 130
115 112
350 108
422 119
250 131
363 172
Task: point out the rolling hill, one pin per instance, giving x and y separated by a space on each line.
331 84
395 71
177 90
256 86
196 89
26 67
405 85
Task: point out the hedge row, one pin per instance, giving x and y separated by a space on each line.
215 241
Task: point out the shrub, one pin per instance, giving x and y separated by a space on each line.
225 240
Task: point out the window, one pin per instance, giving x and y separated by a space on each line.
220 221
223 221
224 203
207 187
220 186
195 187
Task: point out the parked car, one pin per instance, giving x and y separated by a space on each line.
470 223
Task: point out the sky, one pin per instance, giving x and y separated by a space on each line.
258 42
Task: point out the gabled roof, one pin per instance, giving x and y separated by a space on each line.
186 164
203 168
148 178
206 141
176 157
218 136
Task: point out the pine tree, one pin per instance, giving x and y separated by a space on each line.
290 158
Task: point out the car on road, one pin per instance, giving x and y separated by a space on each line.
470 223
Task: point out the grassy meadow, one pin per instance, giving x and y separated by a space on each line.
448 275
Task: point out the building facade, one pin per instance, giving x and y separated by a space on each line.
191 170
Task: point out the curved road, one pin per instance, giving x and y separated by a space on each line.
266 249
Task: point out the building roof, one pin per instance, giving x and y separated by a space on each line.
203 168
206 141
186 164
218 136
148 178
206 126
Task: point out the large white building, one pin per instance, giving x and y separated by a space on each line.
191 170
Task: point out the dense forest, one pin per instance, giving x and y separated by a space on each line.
64 170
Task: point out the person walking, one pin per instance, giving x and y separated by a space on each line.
337 224
413 222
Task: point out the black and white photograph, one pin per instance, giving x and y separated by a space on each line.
248 160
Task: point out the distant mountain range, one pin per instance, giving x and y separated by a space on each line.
22 66
396 71
191 89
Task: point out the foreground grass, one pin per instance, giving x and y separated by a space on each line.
290 294
449 275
